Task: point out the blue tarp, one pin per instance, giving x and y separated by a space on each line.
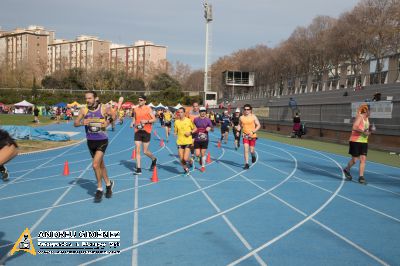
61 105
24 132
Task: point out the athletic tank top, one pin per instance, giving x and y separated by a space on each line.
360 137
95 130
248 124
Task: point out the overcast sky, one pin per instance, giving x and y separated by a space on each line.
177 24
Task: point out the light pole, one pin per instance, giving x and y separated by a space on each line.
208 17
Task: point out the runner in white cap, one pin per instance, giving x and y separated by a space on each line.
236 127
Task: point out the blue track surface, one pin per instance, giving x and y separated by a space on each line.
292 207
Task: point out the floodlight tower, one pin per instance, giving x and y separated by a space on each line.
209 18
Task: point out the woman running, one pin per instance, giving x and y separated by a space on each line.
358 144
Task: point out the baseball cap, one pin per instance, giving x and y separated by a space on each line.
203 109
237 110
226 111
143 97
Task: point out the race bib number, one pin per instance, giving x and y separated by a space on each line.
95 127
203 136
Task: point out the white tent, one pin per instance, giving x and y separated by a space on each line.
160 106
151 105
178 106
23 104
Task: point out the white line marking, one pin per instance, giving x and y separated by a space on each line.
200 221
135 224
287 232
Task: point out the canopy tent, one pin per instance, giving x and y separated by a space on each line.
127 105
178 106
23 104
151 105
159 106
61 105
74 104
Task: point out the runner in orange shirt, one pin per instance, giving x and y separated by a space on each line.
142 120
249 124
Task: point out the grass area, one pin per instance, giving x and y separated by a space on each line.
373 155
37 145
23 120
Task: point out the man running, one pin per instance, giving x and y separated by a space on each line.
225 121
249 124
167 122
94 118
142 120
236 127
183 129
8 150
203 125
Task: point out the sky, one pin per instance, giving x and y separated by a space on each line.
177 24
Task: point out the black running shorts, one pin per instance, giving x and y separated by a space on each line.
200 144
357 148
97 145
187 146
142 136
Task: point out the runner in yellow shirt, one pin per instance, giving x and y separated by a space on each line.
167 122
183 129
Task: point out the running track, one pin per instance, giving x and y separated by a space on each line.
292 207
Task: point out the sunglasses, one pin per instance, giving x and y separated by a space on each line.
141 100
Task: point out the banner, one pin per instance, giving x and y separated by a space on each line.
261 111
380 109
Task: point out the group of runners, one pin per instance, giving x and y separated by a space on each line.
191 129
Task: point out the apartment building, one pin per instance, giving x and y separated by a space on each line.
25 47
140 59
85 52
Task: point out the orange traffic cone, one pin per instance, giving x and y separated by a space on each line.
208 160
162 143
154 178
219 144
133 157
66 169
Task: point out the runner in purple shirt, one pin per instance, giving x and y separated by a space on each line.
203 125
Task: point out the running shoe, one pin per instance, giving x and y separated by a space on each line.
361 180
153 164
4 174
246 166
253 159
187 171
109 189
203 169
347 174
98 196
138 171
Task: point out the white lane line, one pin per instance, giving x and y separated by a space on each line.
348 241
135 224
229 223
315 157
340 196
37 167
323 170
199 221
287 232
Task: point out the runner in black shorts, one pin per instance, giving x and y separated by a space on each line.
236 127
142 120
8 150
203 126
94 118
